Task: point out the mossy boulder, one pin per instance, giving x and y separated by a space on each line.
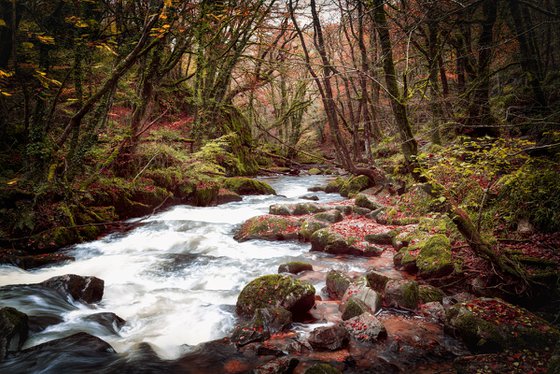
308 208
492 325
329 241
359 297
205 194
14 330
427 294
330 216
337 284
268 227
361 200
314 171
376 280
226 196
405 259
400 293
309 226
275 291
280 209
354 185
385 237
248 186
335 185
434 258
361 211
295 267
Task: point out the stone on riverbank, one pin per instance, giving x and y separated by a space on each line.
366 328
248 186
329 338
329 241
401 294
337 284
275 291
268 227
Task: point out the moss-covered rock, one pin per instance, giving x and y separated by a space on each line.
329 241
361 200
335 185
382 237
401 294
205 194
434 258
308 208
295 267
226 196
280 209
353 308
337 284
405 258
14 330
275 291
268 227
376 280
265 321
309 226
361 211
427 294
314 171
354 185
330 216
492 325
248 186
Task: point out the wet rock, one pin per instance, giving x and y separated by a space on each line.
275 291
491 325
226 196
14 330
309 208
310 197
316 188
353 308
78 353
283 365
85 289
361 200
322 368
344 209
331 216
280 210
337 284
434 310
366 328
140 359
354 185
33 261
309 226
401 294
109 320
295 267
329 338
39 323
248 186
382 238
314 171
376 280
427 293
334 185
329 241
359 299
268 227
434 259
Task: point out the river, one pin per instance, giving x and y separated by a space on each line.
175 278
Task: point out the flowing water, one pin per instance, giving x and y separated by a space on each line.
174 279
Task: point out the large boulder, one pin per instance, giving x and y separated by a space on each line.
330 216
275 291
361 200
226 196
401 293
385 237
330 338
434 258
248 186
376 280
297 209
337 284
491 325
366 328
85 289
268 227
14 330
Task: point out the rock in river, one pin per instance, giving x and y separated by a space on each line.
85 289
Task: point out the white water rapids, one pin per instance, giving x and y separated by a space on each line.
176 278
